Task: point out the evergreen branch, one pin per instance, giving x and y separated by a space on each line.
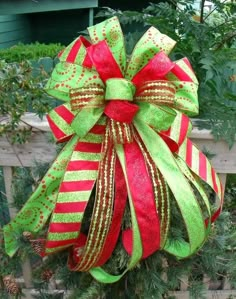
4 119
212 11
225 22
30 126
221 275
92 292
230 36
223 259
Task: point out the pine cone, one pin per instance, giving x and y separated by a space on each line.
38 246
46 275
11 285
28 236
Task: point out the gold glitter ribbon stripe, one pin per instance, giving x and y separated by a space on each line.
88 96
158 92
102 211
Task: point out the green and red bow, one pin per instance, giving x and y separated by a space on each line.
126 130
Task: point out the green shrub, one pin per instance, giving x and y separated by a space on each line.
24 70
21 90
32 51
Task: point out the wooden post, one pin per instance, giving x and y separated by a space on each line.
184 283
26 267
7 173
223 177
91 14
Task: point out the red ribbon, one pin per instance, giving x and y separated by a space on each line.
143 199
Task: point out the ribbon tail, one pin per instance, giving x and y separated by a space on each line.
160 191
180 188
40 205
199 165
75 190
102 215
102 211
119 207
141 189
197 184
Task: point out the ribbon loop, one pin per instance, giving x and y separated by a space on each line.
91 96
158 92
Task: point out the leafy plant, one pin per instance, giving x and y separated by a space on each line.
21 91
34 51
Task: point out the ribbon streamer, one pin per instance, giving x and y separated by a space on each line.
126 129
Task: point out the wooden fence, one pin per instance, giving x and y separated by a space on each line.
39 149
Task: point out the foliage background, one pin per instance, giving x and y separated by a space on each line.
208 40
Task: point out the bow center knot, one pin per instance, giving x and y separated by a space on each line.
119 89
119 94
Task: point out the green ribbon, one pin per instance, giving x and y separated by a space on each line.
119 89
180 187
41 203
85 120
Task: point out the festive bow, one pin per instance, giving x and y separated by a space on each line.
127 134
